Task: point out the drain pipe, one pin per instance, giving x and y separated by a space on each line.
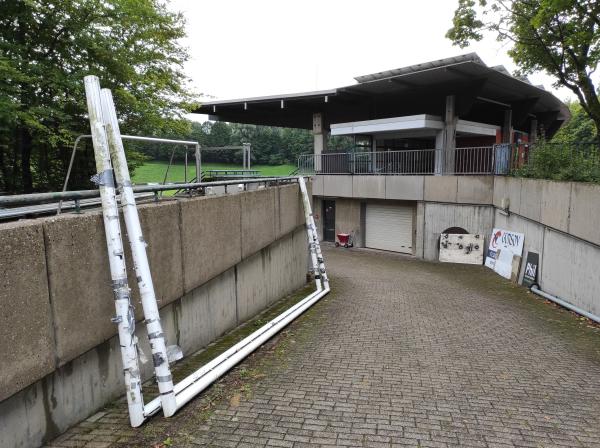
565 304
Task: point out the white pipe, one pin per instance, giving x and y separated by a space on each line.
124 311
568 305
189 387
139 255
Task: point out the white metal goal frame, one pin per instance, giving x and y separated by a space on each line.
111 163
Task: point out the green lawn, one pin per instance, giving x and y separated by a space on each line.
155 171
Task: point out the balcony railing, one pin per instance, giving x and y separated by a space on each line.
474 161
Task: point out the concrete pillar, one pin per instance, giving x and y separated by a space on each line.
450 120
533 131
319 139
507 131
439 153
319 133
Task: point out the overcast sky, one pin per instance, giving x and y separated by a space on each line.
242 48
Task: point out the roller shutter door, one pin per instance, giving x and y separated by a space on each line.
389 227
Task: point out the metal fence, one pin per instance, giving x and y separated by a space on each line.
477 160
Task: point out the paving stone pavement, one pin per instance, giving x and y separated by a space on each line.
401 353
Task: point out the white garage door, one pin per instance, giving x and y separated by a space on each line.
389 227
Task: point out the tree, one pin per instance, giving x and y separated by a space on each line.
579 129
560 37
48 46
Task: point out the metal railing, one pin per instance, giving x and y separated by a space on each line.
21 205
476 160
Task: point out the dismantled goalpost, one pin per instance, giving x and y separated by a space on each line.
111 163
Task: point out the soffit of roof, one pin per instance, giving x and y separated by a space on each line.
499 86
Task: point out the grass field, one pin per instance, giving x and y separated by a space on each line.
155 171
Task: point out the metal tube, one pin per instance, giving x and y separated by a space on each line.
125 318
566 304
69 170
39 198
189 387
198 157
140 258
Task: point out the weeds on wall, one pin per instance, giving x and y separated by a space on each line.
562 161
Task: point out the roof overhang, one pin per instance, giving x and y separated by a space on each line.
483 93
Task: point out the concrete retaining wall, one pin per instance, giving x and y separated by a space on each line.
559 219
439 217
216 261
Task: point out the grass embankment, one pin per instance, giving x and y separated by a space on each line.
155 171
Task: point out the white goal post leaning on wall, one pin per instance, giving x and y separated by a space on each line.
109 155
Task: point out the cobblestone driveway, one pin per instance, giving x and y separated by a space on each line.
401 353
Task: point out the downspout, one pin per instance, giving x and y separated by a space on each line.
565 304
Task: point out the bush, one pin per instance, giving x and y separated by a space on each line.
562 161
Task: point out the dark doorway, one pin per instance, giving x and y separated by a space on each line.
329 221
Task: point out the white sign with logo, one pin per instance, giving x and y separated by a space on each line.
504 246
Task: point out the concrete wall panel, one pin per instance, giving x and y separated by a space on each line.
290 210
211 237
160 226
475 190
441 188
258 220
368 187
288 264
556 199
534 235
510 188
439 217
338 186
419 229
584 220
530 203
347 219
570 270
79 280
26 333
407 188
317 207
317 182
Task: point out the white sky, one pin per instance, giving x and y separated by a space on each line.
242 48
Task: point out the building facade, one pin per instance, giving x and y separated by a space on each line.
431 135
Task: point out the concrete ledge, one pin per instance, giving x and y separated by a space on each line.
257 220
210 237
475 190
26 334
368 187
338 186
441 188
80 283
584 220
407 188
556 200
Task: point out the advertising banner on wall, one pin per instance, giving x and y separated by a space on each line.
503 248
